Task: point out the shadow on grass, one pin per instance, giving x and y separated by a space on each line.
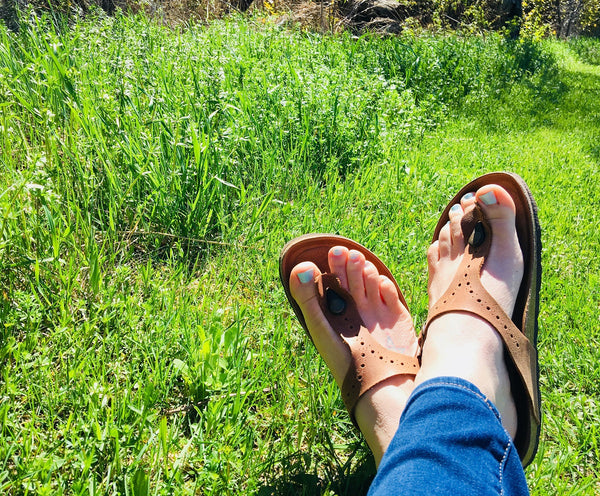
300 474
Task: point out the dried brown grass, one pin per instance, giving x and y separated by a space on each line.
320 16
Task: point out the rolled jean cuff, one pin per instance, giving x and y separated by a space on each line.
449 383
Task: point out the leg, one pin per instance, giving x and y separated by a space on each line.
378 411
450 442
455 436
464 345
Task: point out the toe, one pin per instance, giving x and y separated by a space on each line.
326 340
354 271
371 278
457 239
389 294
302 283
433 254
338 258
468 200
445 241
496 203
499 209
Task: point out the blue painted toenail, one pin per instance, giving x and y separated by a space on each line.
468 196
337 251
306 276
489 198
455 208
354 256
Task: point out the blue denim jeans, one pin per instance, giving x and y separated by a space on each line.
450 441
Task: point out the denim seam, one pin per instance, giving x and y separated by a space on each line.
492 409
501 468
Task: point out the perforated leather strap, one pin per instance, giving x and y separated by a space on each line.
372 364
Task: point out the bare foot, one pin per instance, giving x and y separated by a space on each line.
462 344
378 410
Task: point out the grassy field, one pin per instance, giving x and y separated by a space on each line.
149 179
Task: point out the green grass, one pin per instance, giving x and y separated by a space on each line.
588 49
148 180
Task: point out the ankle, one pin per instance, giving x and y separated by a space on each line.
462 341
465 346
378 413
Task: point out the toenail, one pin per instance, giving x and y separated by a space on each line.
353 256
306 276
455 208
337 251
468 196
489 198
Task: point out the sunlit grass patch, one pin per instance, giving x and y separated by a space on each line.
148 180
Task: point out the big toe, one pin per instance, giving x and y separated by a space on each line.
503 269
496 203
302 283
304 290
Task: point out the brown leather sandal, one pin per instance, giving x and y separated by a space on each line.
466 294
372 363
